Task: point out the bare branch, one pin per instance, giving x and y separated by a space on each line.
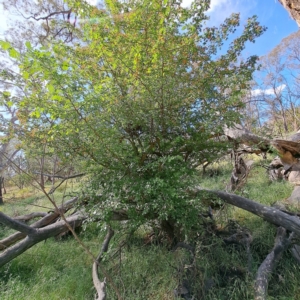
100 285
61 177
270 214
53 189
15 224
48 16
282 241
39 235
46 220
31 216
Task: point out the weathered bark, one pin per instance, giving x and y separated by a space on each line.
244 137
1 194
289 150
293 7
240 172
282 242
25 218
270 214
275 170
15 224
100 285
46 220
38 235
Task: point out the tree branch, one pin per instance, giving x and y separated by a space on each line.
30 216
15 224
270 214
61 177
46 220
39 235
100 285
282 241
48 16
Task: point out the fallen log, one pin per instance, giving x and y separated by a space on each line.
270 214
101 285
282 242
288 150
243 136
46 220
15 224
28 217
35 236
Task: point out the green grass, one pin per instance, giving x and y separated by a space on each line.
50 270
62 269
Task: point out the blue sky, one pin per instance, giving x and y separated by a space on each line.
270 13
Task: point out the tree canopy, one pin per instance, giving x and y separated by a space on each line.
143 98
136 98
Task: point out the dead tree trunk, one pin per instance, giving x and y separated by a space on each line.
282 242
270 214
1 194
293 7
46 220
34 235
100 285
242 136
239 173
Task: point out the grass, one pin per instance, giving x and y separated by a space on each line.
136 270
48 271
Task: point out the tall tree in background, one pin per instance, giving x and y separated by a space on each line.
276 93
41 22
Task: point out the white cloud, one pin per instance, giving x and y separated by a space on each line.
222 9
258 92
92 2
186 3
213 4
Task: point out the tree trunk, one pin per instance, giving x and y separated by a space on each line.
270 214
293 7
45 221
34 236
282 242
101 285
1 195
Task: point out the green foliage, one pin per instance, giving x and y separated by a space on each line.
143 100
60 280
141 270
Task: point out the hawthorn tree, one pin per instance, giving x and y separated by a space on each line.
143 99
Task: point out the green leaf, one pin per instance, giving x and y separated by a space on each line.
5 45
50 88
25 75
28 45
13 53
65 66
